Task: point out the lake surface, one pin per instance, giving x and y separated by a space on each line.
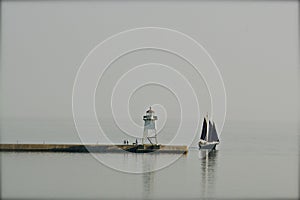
252 161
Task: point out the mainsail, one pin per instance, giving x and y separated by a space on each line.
204 130
212 135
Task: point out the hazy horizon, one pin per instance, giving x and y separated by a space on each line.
44 44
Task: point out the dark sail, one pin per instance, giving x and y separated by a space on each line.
213 135
204 130
210 130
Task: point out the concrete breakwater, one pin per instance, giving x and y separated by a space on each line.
94 148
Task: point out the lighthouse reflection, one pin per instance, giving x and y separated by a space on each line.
208 162
148 175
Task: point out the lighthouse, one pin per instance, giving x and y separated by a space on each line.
149 127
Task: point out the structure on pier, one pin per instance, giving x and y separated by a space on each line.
149 144
149 127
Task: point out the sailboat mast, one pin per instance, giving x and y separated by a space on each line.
207 131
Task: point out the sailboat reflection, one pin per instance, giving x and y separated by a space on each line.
208 160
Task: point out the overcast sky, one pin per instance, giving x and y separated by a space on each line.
254 44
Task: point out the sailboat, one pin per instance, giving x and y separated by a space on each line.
209 137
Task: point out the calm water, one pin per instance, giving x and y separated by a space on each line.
253 161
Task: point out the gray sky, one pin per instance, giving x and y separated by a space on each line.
254 44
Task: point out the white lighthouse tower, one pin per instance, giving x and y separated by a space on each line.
149 127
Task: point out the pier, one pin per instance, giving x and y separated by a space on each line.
149 136
94 148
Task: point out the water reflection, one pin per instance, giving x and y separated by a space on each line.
208 171
148 175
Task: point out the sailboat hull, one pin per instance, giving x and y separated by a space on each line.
208 146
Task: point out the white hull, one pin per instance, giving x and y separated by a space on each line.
208 145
